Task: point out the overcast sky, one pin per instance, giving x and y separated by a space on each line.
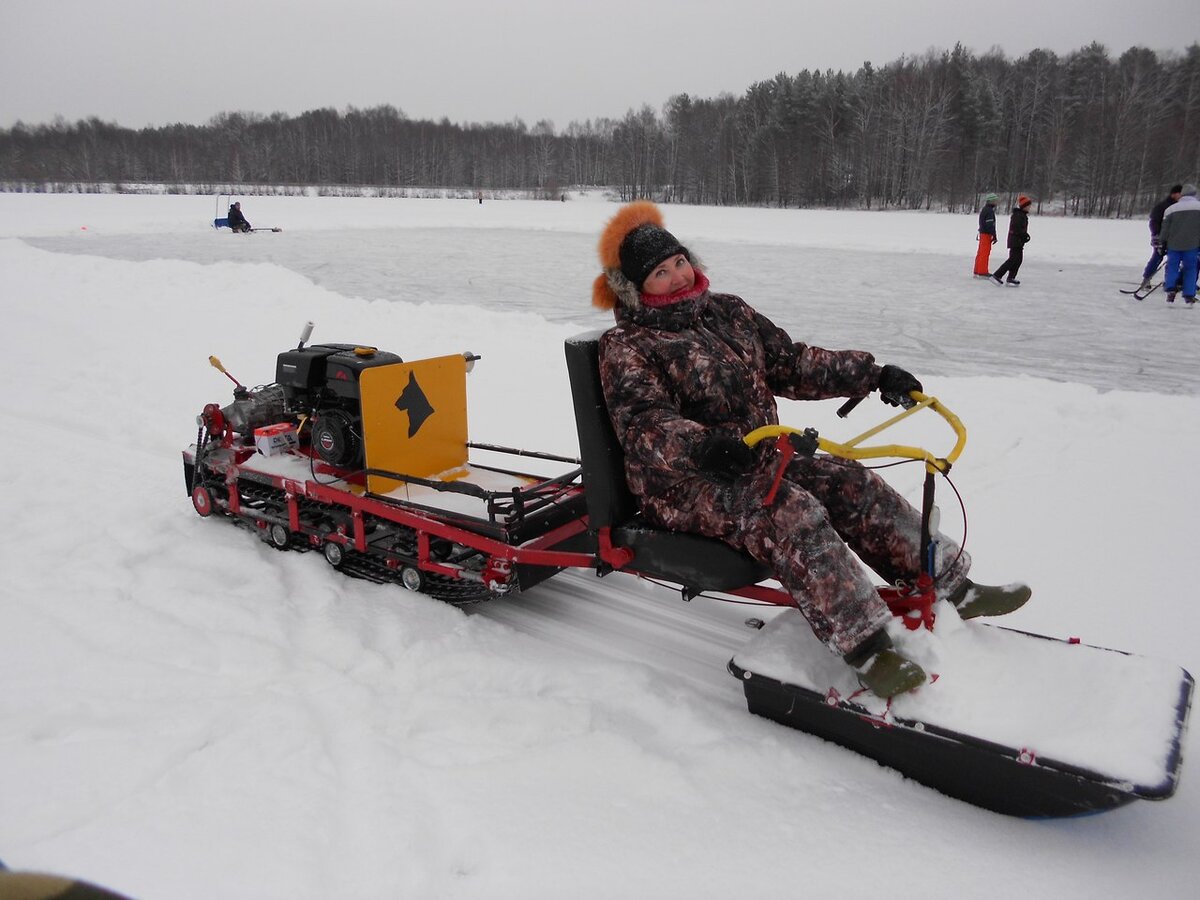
155 62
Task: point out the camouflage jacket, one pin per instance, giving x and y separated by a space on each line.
671 373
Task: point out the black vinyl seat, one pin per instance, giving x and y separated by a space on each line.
696 562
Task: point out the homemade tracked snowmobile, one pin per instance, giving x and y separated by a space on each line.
365 457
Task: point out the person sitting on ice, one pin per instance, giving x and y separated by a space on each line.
686 372
237 221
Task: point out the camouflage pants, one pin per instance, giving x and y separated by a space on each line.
825 512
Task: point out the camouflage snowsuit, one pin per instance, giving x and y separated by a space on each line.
671 373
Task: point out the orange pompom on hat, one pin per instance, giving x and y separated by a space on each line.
631 245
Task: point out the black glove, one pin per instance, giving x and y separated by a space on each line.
722 454
1025 239
1156 243
895 385
994 239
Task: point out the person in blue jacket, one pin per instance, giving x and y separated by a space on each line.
1156 248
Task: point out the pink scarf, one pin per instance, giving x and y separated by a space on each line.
656 301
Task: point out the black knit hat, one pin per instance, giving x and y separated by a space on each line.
644 248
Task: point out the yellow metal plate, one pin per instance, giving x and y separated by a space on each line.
415 419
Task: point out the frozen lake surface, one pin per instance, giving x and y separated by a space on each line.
898 284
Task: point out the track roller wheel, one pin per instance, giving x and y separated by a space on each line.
412 578
279 536
335 553
202 500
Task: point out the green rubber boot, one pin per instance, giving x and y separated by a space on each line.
890 673
882 669
974 600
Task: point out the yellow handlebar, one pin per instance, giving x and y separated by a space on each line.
851 449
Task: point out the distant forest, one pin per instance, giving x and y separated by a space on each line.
1085 134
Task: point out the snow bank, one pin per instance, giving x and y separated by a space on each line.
185 712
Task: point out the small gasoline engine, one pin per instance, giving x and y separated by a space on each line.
317 385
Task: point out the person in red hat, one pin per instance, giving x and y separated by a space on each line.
1018 237
686 373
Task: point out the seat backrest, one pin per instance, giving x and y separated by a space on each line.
698 563
609 501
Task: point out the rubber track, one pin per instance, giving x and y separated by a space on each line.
455 591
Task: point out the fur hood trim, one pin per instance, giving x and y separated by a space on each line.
612 288
628 217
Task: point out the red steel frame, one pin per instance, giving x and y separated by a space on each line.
914 606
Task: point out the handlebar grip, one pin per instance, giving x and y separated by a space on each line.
848 407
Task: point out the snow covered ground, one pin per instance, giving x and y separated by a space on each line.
186 713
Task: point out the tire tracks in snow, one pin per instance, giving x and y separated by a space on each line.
631 620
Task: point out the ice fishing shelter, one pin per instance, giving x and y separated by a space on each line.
221 221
